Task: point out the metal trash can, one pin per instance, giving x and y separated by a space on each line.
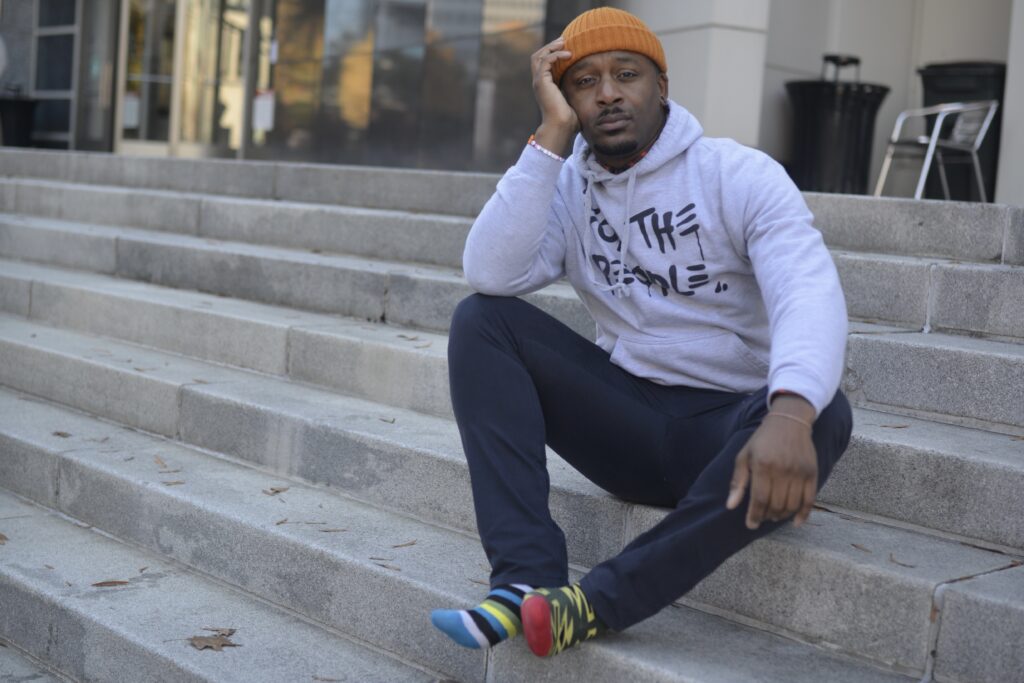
833 129
966 82
16 121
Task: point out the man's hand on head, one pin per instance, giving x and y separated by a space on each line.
558 124
780 464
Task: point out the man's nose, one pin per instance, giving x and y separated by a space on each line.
608 92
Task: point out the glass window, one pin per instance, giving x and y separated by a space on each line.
53 116
56 12
54 59
146 109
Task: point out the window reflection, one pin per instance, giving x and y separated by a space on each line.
421 83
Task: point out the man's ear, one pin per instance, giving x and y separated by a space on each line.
663 84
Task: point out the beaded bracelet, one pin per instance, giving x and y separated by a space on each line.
532 142
794 418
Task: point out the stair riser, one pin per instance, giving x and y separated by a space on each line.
955 385
461 194
973 232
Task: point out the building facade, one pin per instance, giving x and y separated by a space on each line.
446 83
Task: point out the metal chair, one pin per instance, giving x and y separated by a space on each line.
964 137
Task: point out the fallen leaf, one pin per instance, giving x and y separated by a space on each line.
902 564
170 471
389 420
934 613
409 337
1017 438
139 369
329 531
860 548
142 569
3 539
69 583
482 583
111 582
280 521
48 566
221 631
405 545
160 462
130 457
199 381
274 490
327 680
215 643
62 435
423 346
894 426
173 483
103 440
388 566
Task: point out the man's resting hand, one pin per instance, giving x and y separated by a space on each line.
780 464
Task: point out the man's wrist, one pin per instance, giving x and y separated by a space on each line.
554 138
794 405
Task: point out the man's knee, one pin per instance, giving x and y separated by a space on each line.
478 310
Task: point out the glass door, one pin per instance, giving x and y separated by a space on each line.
146 108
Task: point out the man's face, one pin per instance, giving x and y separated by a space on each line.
617 97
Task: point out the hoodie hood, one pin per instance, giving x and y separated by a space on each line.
681 130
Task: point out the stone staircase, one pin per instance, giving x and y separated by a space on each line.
225 385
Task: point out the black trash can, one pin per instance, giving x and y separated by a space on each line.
966 82
833 129
16 121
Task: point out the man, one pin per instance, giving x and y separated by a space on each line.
721 327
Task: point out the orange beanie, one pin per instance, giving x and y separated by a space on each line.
605 29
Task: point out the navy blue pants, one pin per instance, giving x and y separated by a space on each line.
521 379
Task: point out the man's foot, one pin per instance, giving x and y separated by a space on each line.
555 619
489 623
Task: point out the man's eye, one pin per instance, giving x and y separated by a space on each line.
585 80
627 74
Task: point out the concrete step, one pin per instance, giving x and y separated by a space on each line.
408 294
892 469
974 232
396 235
140 631
16 666
300 436
932 294
219 521
446 192
891 225
949 378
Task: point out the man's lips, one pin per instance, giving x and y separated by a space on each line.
613 122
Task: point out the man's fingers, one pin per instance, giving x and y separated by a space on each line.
760 495
778 499
740 477
794 499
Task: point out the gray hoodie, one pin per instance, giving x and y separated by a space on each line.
700 264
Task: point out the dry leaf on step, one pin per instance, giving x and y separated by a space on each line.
111 582
3 539
405 545
173 483
895 426
274 490
216 643
62 435
860 548
160 462
902 564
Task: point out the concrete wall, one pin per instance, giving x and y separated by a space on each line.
715 51
1010 184
893 39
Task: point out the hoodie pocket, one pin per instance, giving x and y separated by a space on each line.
719 360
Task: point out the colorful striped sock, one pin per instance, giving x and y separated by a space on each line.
492 621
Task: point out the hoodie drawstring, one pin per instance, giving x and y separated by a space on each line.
618 287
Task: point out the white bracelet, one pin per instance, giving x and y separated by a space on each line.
532 142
